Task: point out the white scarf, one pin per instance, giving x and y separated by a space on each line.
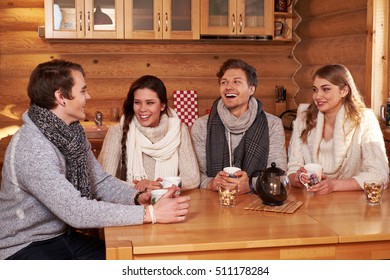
165 151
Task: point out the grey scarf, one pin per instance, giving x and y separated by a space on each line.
70 140
251 154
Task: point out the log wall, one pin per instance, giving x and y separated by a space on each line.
111 66
331 31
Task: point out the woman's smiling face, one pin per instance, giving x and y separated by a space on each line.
327 96
147 107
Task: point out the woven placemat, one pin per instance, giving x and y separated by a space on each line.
288 207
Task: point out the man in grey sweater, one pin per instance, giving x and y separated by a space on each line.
52 183
237 132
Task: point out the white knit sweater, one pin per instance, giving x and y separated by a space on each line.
360 155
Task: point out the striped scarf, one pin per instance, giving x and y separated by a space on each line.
250 155
70 140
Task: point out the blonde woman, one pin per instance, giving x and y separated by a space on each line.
337 131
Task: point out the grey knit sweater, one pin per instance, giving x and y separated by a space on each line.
37 202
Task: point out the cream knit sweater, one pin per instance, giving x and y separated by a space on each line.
360 155
110 156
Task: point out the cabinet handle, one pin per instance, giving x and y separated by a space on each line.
240 23
158 22
89 21
81 21
166 22
234 23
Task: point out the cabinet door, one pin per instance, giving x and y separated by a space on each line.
64 18
181 19
104 19
143 19
237 17
218 17
158 19
84 19
255 17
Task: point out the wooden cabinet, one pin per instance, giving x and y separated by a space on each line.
237 17
100 19
283 24
122 19
162 19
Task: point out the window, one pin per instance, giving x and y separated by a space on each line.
378 51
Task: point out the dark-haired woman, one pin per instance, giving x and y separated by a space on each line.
150 142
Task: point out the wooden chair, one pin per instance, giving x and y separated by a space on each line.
288 118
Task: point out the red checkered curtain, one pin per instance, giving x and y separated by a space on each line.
185 103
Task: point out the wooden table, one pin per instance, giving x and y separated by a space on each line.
334 226
363 231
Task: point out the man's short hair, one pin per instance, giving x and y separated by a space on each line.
47 78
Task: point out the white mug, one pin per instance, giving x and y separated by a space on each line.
157 194
231 170
173 180
169 181
314 172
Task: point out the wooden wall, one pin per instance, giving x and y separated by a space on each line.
331 31
387 58
111 66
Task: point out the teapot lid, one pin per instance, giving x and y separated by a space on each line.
274 170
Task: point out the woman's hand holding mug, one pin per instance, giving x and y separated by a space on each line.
311 176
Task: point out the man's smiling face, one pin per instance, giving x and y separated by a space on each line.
235 91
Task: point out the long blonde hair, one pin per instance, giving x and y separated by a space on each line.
340 76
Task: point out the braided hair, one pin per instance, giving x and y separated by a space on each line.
150 82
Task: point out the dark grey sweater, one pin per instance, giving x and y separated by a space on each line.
37 202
